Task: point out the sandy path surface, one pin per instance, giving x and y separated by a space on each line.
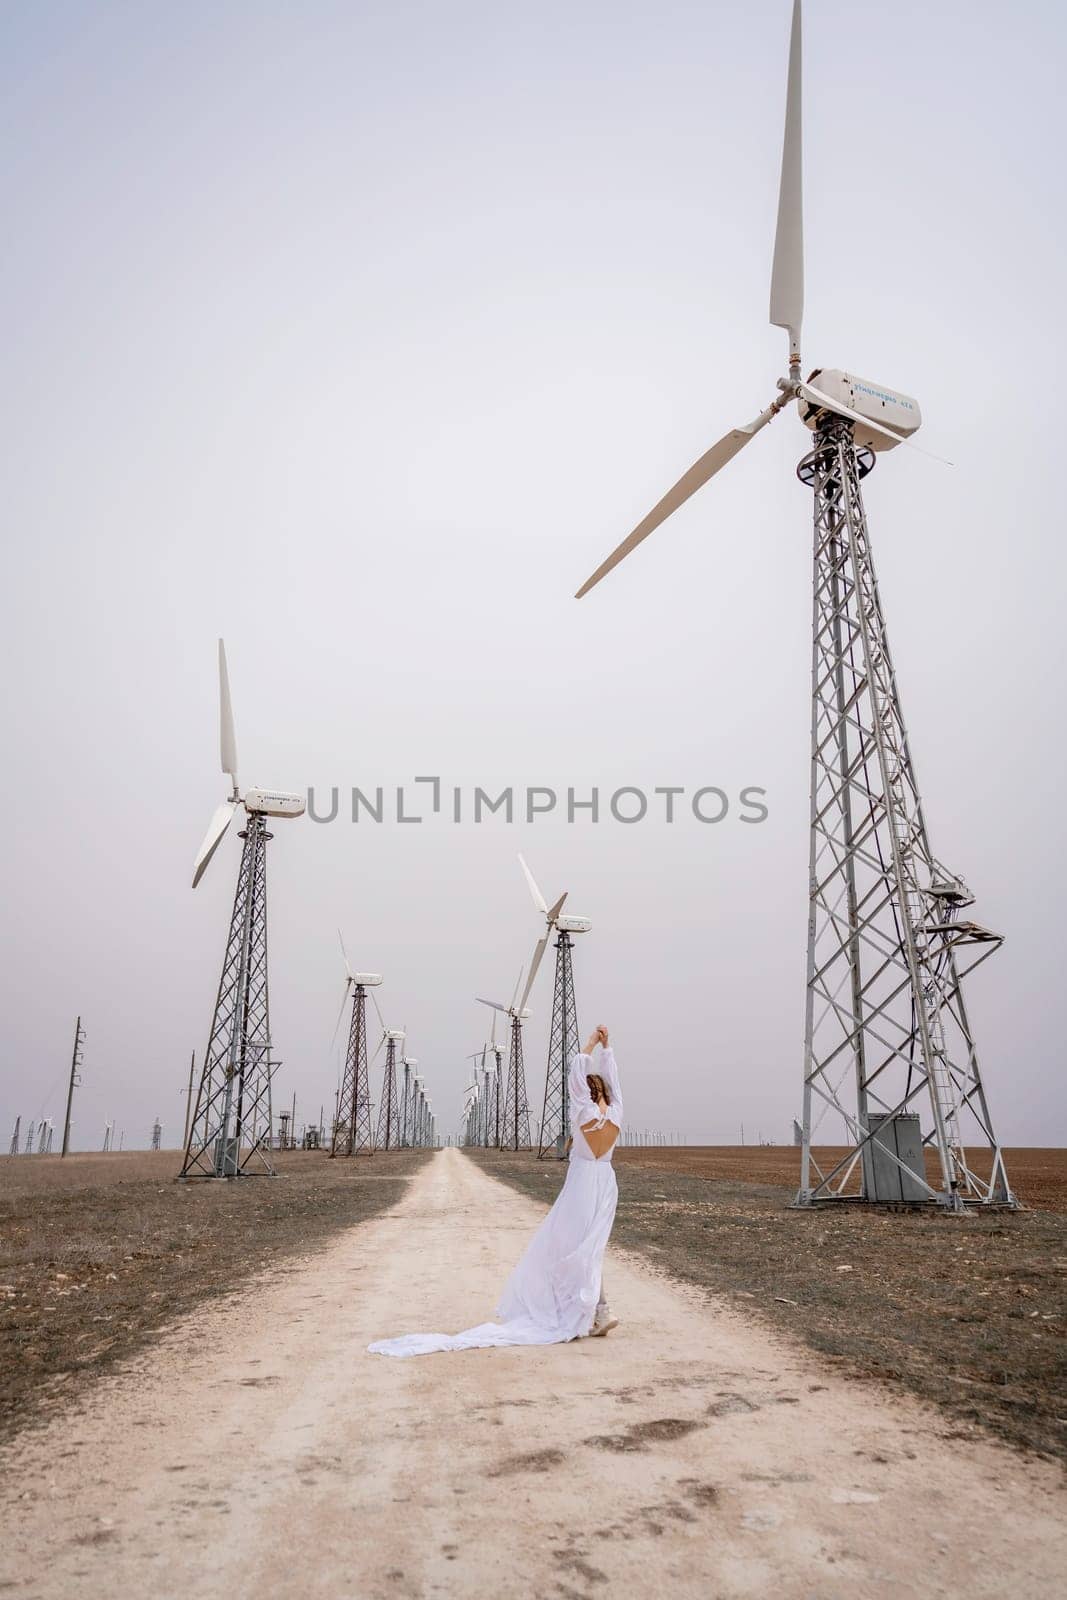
257 1449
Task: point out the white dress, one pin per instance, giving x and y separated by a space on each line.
552 1294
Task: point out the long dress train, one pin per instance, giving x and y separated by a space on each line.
552 1294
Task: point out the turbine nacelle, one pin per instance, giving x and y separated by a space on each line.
869 403
574 924
273 803
365 980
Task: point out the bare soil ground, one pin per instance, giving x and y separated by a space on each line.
256 1448
966 1312
98 1252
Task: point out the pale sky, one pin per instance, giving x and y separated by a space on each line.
360 334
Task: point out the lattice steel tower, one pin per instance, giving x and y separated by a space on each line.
516 1130
389 1108
230 1130
409 1104
888 1044
562 1044
353 1134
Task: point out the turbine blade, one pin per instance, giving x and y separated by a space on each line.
344 952
221 820
535 893
495 1004
378 1009
534 964
553 911
515 991
787 274
340 1014
227 737
709 464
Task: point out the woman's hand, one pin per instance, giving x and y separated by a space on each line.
602 1034
598 1036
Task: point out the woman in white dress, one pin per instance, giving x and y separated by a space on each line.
556 1291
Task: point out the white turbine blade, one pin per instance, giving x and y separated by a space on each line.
495 1004
340 1014
553 911
377 1050
227 737
378 1009
221 820
537 896
534 964
344 952
699 473
816 397
492 1035
787 274
515 992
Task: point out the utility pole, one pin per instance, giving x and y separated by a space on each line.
75 1080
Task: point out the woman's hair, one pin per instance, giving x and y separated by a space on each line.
597 1087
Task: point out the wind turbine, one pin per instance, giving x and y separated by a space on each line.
470 1110
389 1106
888 1045
352 1132
489 1081
516 1131
423 1116
408 1107
563 1034
230 1132
481 1078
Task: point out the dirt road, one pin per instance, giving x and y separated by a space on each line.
258 1449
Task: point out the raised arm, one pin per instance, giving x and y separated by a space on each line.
581 1101
609 1071
583 1107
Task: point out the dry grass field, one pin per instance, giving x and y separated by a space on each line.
97 1252
1038 1176
967 1312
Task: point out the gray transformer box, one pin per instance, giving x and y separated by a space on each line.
882 1179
